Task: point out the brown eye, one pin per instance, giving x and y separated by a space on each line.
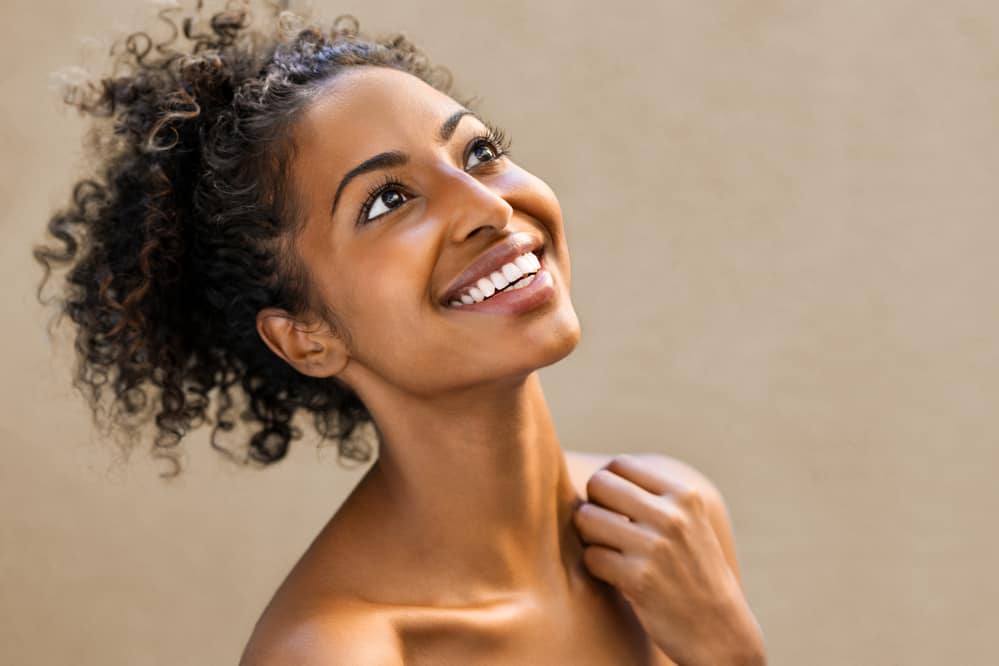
385 201
481 152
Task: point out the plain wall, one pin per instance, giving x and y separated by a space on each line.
782 219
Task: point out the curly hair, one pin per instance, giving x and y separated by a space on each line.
184 229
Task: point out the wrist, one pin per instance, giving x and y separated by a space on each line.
754 656
744 647
752 651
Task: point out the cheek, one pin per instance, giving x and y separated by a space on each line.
533 196
382 300
385 301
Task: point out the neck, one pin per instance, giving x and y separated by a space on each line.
478 484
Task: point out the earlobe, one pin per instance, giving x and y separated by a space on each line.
312 349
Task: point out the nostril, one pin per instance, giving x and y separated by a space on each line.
476 231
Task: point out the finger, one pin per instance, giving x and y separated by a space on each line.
601 526
647 475
606 564
619 494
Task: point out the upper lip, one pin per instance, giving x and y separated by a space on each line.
501 253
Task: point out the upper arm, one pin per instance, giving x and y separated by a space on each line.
321 641
713 502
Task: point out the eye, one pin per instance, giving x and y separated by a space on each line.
482 151
383 200
489 146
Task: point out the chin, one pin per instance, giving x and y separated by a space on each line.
561 336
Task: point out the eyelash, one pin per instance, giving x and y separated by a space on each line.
494 135
384 183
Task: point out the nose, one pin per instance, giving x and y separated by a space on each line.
467 205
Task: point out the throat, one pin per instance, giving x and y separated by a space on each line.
483 497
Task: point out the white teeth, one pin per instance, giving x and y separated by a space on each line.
511 272
498 280
487 287
520 284
509 275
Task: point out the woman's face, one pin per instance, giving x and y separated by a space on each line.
404 192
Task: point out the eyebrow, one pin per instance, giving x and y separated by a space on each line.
396 158
451 124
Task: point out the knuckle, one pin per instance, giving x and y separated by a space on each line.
643 579
691 498
659 547
673 523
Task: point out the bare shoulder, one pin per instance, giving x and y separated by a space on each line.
582 465
342 635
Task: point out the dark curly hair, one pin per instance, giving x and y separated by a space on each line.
184 230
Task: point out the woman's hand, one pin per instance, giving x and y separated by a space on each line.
651 537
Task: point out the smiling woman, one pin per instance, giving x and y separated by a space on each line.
313 217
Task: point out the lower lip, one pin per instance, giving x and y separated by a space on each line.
516 301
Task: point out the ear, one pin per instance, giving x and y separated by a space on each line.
309 347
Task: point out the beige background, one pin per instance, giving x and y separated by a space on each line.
783 224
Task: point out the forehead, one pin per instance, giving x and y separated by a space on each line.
366 110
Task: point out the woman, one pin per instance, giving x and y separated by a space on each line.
317 219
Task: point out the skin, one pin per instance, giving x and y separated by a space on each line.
468 540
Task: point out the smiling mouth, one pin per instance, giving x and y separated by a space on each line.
512 275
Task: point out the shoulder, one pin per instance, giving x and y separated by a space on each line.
582 465
343 635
